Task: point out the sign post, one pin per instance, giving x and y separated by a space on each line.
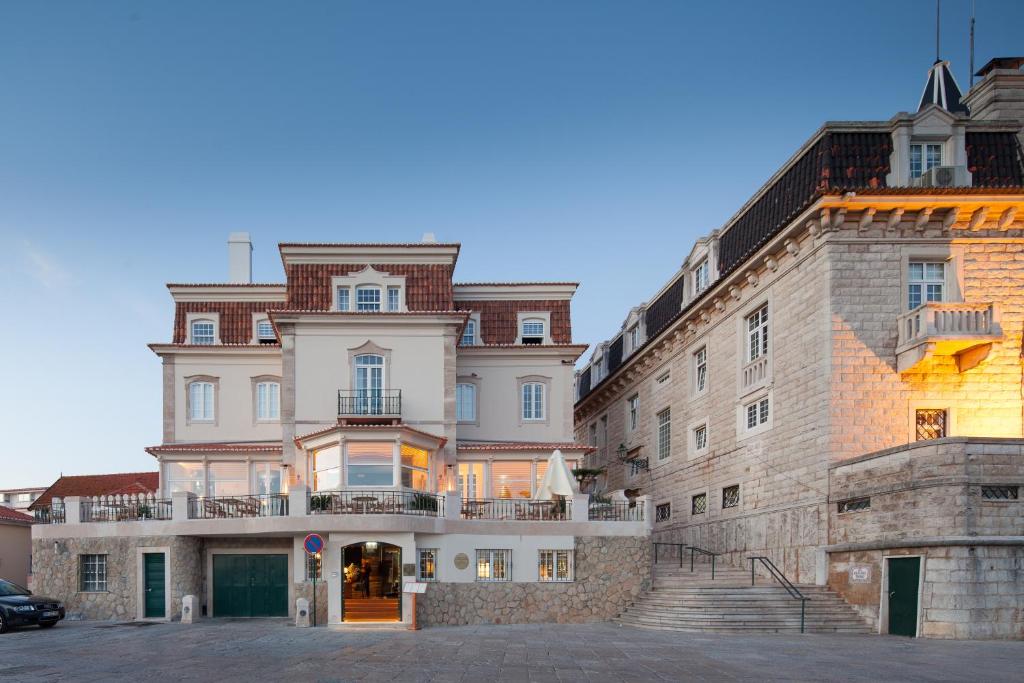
414 588
313 544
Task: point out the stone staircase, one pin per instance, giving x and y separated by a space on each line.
692 602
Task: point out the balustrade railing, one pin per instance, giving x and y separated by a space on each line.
365 502
361 403
519 509
231 507
51 514
938 319
755 372
617 511
123 508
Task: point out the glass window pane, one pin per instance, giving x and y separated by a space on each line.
184 477
935 271
471 479
510 479
343 298
370 463
916 271
228 479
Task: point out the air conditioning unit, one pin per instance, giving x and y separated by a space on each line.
945 176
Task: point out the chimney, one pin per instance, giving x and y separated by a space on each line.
999 95
239 258
428 238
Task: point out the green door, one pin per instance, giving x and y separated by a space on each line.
155 595
904 577
250 585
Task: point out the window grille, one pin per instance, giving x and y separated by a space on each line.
314 566
427 564
930 423
93 577
731 496
854 505
699 504
663 512
1000 492
494 565
554 565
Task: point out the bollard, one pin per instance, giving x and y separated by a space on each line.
188 609
302 613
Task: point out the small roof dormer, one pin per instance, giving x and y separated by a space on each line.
942 90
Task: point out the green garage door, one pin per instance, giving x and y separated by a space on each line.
250 585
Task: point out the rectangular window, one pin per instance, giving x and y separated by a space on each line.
634 338
930 423
924 157
533 332
533 401
415 468
757 413
731 496
663 512
200 401
471 480
203 332
1000 492
268 401
469 333
554 565
392 298
314 566
185 477
854 505
700 437
327 469
370 463
343 295
494 565
700 370
426 564
664 377
701 275
226 479
592 431
269 478
699 504
465 402
925 282
510 479
368 298
634 411
757 334
92 573
265 332
664 433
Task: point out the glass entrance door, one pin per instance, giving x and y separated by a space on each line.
372 586
369 384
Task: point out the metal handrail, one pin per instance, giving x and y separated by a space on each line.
793 591
671 545
357 402
693 553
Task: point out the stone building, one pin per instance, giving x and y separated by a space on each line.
411 421
833 378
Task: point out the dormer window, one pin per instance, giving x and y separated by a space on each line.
392 298
634 338
923 157
367 298
343 297
701 277
265 332
533 331
203 332
469 333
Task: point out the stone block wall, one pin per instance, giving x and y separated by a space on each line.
55 564
967 591
304 589
610 573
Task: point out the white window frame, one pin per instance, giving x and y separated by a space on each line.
201 318
756 339
692 450
365 278
268 396
528 395
205 410
420 552
490 554
923 147
460 416
369 306
632 413
468 334
394 303
663 433
534 322
634 338
756 399
700 379
343 298
925 282
98 581
701 276
549 558
258 319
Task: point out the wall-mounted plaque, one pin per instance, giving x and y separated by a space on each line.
860 573
461 561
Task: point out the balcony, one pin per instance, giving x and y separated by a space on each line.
234 507
384 502
517 509
963 330
355 405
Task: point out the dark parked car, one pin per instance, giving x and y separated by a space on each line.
18 607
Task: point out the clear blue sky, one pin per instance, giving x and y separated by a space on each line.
588 140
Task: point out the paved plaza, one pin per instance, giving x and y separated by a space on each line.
259 650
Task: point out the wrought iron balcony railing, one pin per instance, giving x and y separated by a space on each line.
356 403
365 502
232 507
102 510
520 509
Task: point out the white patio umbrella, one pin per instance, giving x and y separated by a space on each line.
557 481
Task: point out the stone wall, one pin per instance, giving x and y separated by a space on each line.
967 591
304 589
55 564
610 573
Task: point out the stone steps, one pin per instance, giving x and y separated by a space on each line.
681 600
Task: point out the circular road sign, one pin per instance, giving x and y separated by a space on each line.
313 543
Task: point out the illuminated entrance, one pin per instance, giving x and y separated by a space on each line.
372 584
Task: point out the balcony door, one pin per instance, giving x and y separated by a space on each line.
369 384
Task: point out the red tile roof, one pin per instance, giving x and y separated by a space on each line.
99 485
498 319
9 515
219 447
428 287
235 318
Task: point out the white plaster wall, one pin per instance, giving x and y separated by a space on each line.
524 553
498 399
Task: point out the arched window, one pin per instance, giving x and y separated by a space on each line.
469 333
265 332
268 401
533 331
201 402
203 332
369 384
533 401
367 298
465 402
